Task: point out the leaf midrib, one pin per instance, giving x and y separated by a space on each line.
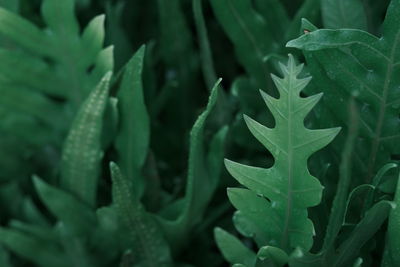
284 241
378 131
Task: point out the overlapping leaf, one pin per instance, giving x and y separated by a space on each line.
82 153
133 136
356 63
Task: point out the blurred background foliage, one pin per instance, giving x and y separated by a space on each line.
189 44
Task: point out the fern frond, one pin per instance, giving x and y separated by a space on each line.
55 68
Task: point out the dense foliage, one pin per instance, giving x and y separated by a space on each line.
130 132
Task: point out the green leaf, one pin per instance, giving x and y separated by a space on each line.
275 16
309 9
233 249
373 81
60 18
147 242
348 251
203 176
24 33
338 14
357 192
20 69
288 185
206 56
338 210
32 248
76 215
93 39
12 5
300 258
376 181
45 233
4 258
273 256
21 100
253 216
132 140
393 232
176 41
57 65
82 153
249 34
115 32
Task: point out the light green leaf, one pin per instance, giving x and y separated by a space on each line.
233 249
82 153
60 18
288 185
24 33
76 215
272 256
132 140
93 39
103 64
253 216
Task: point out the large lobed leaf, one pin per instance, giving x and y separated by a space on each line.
354 63
281 194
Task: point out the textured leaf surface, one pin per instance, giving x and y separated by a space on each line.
356 63
58 64
288 185
82 152
146 239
